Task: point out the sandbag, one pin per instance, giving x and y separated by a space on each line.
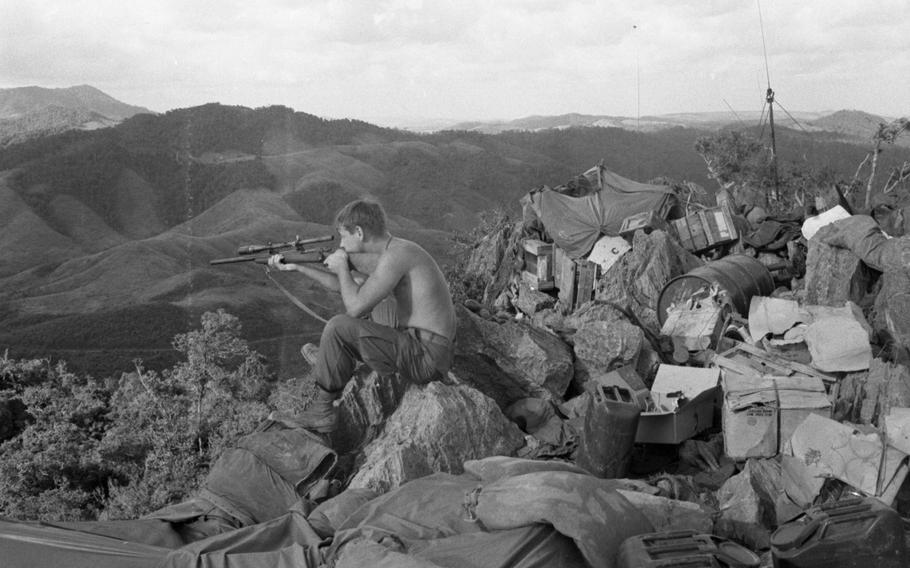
331 514
493 468
266 473
585 508
426 522
284 542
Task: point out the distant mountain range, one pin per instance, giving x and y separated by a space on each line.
106 234
852 125
28 112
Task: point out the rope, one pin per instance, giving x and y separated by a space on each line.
294 299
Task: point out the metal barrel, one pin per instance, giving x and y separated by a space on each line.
740 275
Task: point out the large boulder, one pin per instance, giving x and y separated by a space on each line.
834 275
603 340
635 281
436 428
368 400
493 262
530 301
891 313
886 385
512 360
862 236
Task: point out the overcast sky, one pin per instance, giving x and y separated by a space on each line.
464 59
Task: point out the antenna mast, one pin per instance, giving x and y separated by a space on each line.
769 98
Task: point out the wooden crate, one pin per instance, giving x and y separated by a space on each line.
704 230
538 264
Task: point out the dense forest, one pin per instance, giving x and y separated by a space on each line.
123 443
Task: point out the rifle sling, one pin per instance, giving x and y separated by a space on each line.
293 298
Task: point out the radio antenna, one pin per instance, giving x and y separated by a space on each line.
769 98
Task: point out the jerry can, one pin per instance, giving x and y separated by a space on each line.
859 532
608 436
684 548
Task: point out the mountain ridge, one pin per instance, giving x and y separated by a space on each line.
29 112
854 125
115 224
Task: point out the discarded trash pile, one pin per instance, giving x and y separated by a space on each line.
702 386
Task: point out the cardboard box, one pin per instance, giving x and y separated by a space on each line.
684 398
761 412
842 450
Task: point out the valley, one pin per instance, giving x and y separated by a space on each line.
106 235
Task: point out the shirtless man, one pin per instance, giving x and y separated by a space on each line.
419 348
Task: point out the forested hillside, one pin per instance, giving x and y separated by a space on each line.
106 235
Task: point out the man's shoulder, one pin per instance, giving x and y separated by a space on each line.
406 246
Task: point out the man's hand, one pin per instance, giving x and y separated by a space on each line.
276 261
337 261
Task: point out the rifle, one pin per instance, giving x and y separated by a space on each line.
294 252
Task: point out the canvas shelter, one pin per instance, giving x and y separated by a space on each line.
591 206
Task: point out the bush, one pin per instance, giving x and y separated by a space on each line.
123 448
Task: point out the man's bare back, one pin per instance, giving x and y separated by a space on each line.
422 294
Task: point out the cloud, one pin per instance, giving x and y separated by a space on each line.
463 59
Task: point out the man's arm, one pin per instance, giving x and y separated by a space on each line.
359 299
363 263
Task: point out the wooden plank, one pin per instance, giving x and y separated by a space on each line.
782 364
709 226
537 247
584 290
683 234
699 238
726 230
564 275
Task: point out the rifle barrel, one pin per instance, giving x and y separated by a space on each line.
289 257
233 259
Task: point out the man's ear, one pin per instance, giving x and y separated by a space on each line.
358 231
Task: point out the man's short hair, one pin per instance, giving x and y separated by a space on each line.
363 213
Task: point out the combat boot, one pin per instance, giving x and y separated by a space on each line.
320 416
310 352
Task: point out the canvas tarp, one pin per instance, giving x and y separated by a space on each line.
575 223
25 545
536 519
424 523
284 542
545 518
259 479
